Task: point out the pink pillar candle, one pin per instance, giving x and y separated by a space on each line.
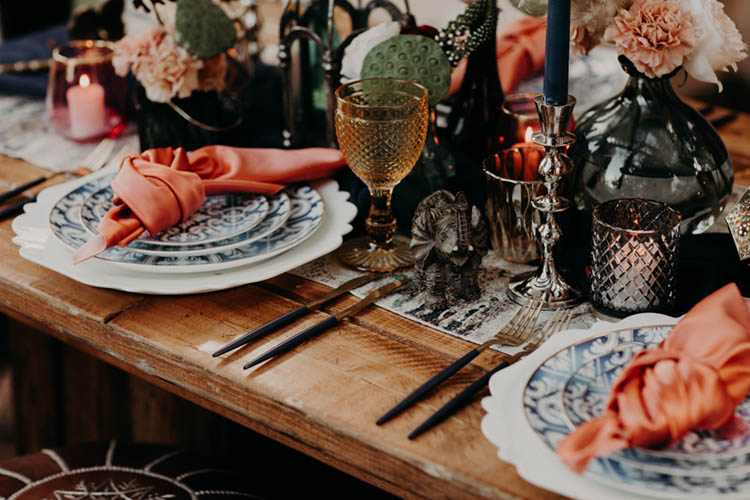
86 108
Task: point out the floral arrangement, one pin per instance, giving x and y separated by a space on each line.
173 60
660 36
422 54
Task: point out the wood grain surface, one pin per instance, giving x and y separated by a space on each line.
321 399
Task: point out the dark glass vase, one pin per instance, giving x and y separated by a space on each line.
647 143
477 124
196 121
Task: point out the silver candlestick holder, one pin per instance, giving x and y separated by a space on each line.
545 284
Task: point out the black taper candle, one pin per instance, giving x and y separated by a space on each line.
557 52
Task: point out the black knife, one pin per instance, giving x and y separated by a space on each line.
292 316
321 327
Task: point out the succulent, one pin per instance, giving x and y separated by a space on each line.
411 57
203 28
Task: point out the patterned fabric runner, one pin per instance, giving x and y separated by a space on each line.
475 321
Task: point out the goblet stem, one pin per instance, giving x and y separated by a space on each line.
380 223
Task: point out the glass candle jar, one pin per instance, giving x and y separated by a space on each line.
524 119
85 98
634 251
512 183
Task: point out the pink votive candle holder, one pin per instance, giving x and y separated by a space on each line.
86 99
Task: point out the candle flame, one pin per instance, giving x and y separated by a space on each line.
84 81
529 134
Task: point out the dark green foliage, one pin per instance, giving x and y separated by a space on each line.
203 28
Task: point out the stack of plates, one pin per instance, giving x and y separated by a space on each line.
232 240
567 386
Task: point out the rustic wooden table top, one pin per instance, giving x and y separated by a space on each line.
321 399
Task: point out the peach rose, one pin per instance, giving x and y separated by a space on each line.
720 45
657 36
165 69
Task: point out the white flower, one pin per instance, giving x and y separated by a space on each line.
354 54
720 45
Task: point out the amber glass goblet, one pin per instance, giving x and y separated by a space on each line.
381 124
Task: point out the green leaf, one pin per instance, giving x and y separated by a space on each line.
411 57
203 28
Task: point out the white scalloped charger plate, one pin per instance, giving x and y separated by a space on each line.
507 428
39 246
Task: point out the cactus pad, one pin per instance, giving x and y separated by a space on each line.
411 57
203 28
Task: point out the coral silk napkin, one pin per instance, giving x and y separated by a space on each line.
520 51
693 380
164 186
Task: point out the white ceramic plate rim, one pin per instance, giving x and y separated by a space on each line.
505 424
180 252
218 266
39 246
147 238
195 268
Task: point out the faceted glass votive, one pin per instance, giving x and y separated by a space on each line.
86 99
512 183
634 252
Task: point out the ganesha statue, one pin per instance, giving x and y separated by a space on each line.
448 239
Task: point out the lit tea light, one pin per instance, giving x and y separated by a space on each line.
526 139
86 108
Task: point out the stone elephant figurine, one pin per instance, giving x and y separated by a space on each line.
449 239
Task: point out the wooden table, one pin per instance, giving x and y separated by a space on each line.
322 399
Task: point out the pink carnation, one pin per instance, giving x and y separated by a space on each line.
655 35
165 69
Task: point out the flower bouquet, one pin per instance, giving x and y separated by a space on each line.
181 69
645 142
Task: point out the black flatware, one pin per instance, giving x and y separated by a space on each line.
294 315
15 207
23 187
559 321
515 332
321 327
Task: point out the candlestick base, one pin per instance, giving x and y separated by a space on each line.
552 291
545 284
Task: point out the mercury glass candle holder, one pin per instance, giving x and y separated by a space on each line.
512 183
634 252
86 99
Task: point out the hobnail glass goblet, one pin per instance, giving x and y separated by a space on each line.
381 124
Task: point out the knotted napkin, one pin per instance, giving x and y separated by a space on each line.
163 186
694 379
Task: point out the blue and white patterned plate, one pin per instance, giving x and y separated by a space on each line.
279 208
305 218
220 217
572 386
703 453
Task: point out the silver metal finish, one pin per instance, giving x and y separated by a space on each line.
738 221
545 284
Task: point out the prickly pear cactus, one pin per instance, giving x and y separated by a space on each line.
411 57
203 28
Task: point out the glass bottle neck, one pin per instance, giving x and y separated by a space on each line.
650 89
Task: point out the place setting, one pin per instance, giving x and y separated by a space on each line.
581 275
